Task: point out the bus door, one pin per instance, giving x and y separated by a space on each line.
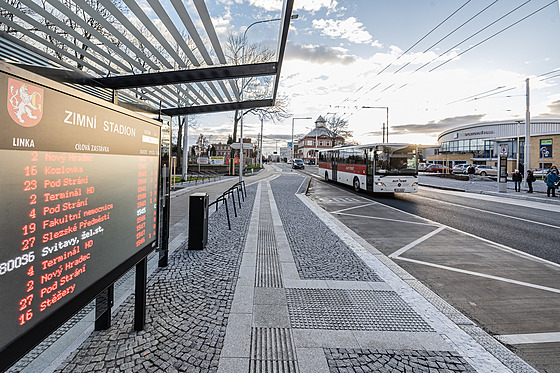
370 168
334 165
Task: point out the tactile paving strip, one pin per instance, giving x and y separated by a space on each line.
268 272
342 309
272 350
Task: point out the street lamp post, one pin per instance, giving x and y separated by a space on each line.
293 119
260 147
381 107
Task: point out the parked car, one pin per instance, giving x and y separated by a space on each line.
540 172
437 168
422 166
460 168
485 170
298 163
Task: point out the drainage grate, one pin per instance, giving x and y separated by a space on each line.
272 350
340 309
268 272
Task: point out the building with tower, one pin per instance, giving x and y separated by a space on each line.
319 138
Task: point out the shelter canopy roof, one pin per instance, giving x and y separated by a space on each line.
157 56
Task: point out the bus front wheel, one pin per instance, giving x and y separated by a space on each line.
356 184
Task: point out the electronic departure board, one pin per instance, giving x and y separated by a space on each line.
79 201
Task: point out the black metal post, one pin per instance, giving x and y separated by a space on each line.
103 304
140 295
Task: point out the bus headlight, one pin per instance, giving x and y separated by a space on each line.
415 183
379 183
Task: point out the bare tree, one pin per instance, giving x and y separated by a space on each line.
338 127
237 50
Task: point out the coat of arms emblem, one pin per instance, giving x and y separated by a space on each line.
25 103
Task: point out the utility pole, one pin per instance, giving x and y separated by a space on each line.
185 147
527 158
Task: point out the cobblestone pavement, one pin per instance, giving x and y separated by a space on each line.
319 253
187 310
281 292
392 361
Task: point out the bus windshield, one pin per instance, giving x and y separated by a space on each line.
395 160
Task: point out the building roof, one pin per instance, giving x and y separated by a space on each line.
320 131
521 121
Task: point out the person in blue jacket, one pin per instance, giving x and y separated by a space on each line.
552 180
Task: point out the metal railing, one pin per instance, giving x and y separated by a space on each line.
238 188
203 176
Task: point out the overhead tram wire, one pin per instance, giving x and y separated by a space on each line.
473 35
408 50
550 72
442 39
463 41
496 34
476 95
490 37
483 41
550 77
425 36
492 94
449 34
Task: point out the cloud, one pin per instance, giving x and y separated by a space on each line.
555 108
349 29
432 127
307 5
317 54
553 111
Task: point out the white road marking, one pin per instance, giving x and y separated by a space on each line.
404 249
490 212
478 274
495 244
387 219
355 207
340 200
506 200
516 339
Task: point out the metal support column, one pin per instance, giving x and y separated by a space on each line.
140 295
103 304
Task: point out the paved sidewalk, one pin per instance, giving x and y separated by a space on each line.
288 289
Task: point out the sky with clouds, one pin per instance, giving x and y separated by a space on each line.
436 64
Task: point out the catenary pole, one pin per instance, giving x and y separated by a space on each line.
527 158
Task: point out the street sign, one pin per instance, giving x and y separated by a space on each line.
237 145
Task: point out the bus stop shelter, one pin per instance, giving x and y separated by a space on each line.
156 57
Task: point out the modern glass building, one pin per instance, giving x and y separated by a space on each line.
480 143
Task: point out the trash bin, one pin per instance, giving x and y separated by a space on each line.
198 221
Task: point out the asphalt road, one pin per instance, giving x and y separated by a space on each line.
458 244
528 229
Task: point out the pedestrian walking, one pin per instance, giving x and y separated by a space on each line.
517 177
552 180
470 172
530 180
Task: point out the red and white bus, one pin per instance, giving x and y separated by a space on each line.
377 168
